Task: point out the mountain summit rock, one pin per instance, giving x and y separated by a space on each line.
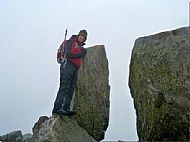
159 82
91 104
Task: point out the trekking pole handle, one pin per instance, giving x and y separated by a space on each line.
65 34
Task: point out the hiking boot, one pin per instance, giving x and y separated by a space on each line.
70 112
61 112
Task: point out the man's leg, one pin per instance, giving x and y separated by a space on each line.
74 86
69 96
65 81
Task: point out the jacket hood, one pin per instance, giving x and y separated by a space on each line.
75 38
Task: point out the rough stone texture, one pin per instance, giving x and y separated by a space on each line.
92 95
91 105
62 129
27 137
159 82
15 136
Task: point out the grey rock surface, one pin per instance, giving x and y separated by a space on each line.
56 128
92 95
27 137
15 136
159 82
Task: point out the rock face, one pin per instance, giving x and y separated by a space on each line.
159 82
91 104
27 137
58 128
16 136
12 136
92 97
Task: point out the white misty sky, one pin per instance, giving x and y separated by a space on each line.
31 32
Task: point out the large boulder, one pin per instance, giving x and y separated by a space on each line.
56 128
159 82
92 95
91 104
15 136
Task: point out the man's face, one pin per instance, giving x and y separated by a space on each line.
81 38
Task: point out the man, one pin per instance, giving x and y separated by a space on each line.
73 52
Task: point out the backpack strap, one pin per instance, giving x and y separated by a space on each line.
61 55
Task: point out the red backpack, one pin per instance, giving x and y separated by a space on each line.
61 53
61 56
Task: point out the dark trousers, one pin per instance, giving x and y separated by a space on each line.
68 79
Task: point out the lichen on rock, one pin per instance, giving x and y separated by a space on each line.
159 82
56 128
92 95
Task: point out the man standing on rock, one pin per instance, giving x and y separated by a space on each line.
70 58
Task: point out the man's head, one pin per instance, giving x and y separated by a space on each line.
82 36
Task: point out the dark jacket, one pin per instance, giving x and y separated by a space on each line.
74 50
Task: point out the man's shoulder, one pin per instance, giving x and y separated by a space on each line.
68 43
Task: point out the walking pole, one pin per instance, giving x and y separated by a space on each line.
65 34
64 56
